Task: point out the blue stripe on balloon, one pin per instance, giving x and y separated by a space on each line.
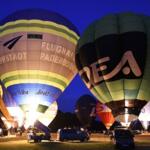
7 98
34 93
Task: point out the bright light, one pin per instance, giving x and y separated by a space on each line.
144 116
145 124
30 113
126 103
3 118
145 113
126 120
17 113
31 117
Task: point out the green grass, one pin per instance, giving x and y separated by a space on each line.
23 145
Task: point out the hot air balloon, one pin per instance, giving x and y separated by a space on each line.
113 59
104 114
144 116
85 109
37 49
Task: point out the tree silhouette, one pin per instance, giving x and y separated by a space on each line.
63 120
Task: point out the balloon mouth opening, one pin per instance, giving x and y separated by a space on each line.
31 117
125 119
126 106
27 119
108 125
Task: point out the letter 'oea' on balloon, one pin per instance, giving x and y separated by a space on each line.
113 59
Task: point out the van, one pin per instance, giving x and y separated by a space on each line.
37 135
72 134
123 138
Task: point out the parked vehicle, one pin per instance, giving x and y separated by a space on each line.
137 132
123 138
72 134
37 135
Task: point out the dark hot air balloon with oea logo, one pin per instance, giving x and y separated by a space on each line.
113 59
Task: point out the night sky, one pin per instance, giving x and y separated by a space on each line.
81 13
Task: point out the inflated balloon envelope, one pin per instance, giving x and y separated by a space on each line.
85 110
113 59
37 52
104 114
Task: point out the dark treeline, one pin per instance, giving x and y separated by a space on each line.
70 120
63 120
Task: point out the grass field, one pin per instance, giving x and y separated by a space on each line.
23 145
97 142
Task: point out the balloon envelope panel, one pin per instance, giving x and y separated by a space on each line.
145 113
33 94
12 111
5 112
113 59
104 114
47 117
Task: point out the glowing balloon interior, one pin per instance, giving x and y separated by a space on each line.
28 114
105 115
45 117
